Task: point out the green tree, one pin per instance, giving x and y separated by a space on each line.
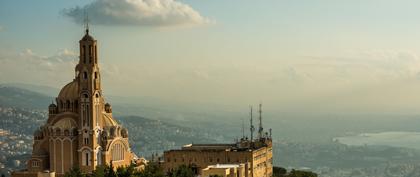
151 170
99 171
74 172
215 176
183 171
109 171
297 173
279 171
125 171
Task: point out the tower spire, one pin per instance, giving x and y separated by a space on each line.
86 22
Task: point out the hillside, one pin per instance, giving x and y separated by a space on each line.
22 111
22 98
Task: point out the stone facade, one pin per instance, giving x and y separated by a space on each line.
227 170
258 154
80 130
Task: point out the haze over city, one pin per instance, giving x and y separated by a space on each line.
294 56
270 88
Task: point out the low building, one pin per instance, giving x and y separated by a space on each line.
258 154
227 170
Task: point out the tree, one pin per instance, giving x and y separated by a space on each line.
151 170
99 171
182 171
279 171
74 172
125 171
215 176
297 173
109 171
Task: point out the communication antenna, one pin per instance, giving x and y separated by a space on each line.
260 129
86 20
252 129
243 129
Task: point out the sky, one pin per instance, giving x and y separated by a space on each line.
326 56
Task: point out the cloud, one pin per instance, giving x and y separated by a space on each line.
157 13
29 67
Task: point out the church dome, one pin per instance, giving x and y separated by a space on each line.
70 91
66 123
52 105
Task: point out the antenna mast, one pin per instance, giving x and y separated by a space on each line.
252 129
86 22
243 129
260 129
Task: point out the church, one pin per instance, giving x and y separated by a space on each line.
80 130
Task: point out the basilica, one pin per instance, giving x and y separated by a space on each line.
80 130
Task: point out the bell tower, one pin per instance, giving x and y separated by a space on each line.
91 103
80 130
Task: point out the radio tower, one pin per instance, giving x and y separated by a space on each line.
252 129
260 129
243 129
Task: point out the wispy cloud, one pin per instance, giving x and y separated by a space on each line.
29 67
160 13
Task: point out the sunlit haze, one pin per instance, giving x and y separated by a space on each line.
294 56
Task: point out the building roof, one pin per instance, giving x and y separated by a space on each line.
70 91
87 37
108 120
224 166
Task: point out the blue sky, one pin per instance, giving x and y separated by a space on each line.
347 56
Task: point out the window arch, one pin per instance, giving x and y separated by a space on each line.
85 75
68 104
96 57
86 158
99 156
117 152
84 54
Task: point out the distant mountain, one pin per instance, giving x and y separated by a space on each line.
148 136
42 89
22 98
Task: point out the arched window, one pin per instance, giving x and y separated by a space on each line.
76 105
84 54
117 152
96 55
86 158
85 75
84 114
99 156
68 104
87 115
90 54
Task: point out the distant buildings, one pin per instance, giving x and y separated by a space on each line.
227 170
248 158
